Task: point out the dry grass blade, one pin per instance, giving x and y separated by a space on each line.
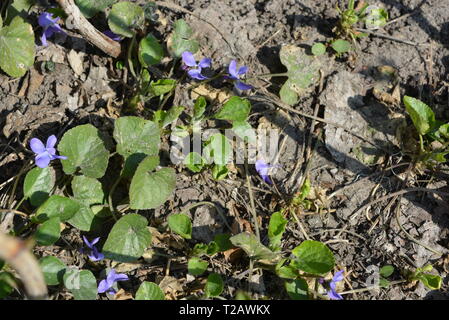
16 254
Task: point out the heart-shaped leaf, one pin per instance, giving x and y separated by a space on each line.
17 49
81 283
148 189
88 192
252 246
150 51
235 109
194 162
341 46
38 184
84 149
161 87
48 232
18 8
136 135
149 291
196 266
182 39
128 239
318 49
180 224
89 8
57 206
214 285
218 150
53 270
422 116
297 289
276 229
303 72
313 257
124 17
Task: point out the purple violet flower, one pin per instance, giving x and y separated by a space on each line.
94 255
113 36
107 284
195 68
49 25
332 292
235 75
44 154
263 170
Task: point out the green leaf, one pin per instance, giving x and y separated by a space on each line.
244 131
88 192
84 149
252 246
318 49
136 135
162 86
128 239
297 289
48 232
194 162
182 39
444 130
149 291
212 248
180 224
276 229
17 49
57 206
219 172
164 118
218 149
199 108
150 51
313 257
286 271
196 266
303 72
386 271
431 281
341 46
422 116
376 18
18 8
148 189
223 242
7 282
81 283
89 8
38 184
235 109
214 285
2 264
53 270
124 17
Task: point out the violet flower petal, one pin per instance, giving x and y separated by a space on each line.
242 70
233 70
205 63
44 40
196 74
332 294
242 86
338 276
188 59
42 160
87 242
37 146
112 35
103 286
